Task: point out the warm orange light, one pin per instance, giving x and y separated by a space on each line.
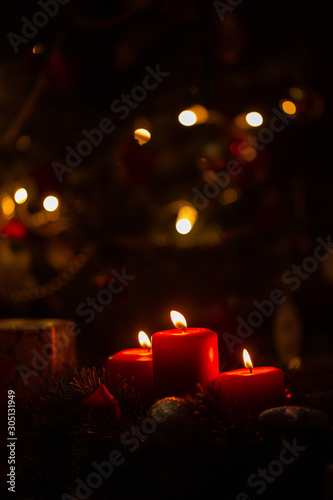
8 207
142 135
187 215
240 121
200 112
178 319
195 114
288 107
230 195
247 360
144 340
38 48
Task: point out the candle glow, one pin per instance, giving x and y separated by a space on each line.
183 357
247 360
144 340
178 319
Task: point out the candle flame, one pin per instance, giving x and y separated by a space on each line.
247 360
144 340
178 319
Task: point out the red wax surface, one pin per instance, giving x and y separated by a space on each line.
137 364
255 392
181 359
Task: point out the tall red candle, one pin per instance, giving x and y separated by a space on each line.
183 357
251 389
135 365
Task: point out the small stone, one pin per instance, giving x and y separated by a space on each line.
294 417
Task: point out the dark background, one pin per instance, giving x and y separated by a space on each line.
116 207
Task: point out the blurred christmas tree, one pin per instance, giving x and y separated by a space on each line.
83 192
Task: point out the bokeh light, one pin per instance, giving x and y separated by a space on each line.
296 93
254 119
38 48
51 203
183 226
8 207
187 118
142 135
200 112
288 107
230 195
21 195
187 216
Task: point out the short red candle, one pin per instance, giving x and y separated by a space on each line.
183 357
251 389
136 364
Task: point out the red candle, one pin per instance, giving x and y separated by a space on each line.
251 389
136 365
183 357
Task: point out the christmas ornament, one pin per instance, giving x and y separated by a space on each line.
294 418
176 423
101 400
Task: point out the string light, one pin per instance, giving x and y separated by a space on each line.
194 115
183 226
187 216
254 119
51 203
21 195
142 135
8 207
187 118
200 112
288 107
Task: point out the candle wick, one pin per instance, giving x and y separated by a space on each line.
250 369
